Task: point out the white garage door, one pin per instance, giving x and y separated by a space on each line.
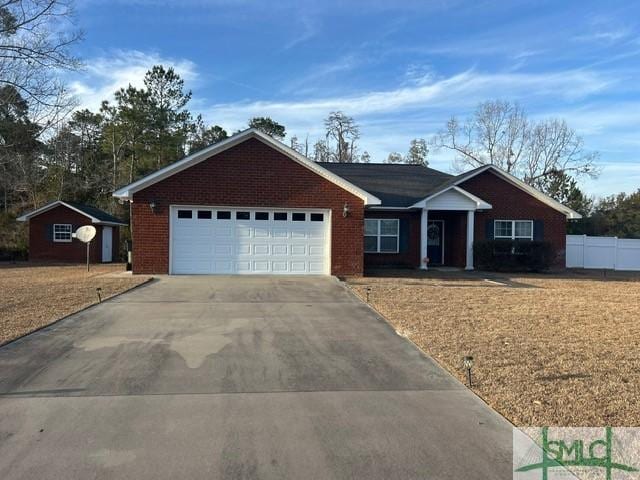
206 240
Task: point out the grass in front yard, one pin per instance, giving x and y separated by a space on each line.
558 351
33 296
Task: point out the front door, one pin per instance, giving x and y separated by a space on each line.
107 237
435 242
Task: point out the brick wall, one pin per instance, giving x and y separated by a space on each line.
43 248
511 203
250 174
407 258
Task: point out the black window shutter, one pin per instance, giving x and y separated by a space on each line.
538 230
49 232
488 229
403 241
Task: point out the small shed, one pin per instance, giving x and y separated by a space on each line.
51 229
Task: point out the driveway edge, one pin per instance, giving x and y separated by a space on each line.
478 396
146 282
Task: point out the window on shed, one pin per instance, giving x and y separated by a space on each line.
62 232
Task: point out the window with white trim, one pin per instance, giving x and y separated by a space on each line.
513 229
62 232
381 235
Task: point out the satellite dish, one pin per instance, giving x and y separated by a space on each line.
86 233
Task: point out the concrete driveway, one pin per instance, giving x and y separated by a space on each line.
239 378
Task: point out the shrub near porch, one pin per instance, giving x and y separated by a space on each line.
557 351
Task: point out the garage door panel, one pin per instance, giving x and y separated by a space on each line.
223 249
261 266
261 249
243 232
298 267
223 232
316 267
243 267
225 266
280 266
298 249
249 241
243 249
278 249
261 232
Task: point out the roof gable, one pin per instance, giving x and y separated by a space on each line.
126 193
453 198
96 215
516 182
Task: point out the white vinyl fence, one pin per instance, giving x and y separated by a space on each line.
603 252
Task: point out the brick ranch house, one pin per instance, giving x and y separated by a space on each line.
51 229
250 204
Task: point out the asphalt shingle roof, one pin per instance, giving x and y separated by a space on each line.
95 212
395 185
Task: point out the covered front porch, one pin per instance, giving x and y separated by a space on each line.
435 232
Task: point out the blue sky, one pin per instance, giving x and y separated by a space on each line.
401 69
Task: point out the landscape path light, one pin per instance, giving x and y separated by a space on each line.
467 362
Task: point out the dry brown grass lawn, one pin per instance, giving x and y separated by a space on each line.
564 351
33 296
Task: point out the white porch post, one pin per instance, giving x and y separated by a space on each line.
423 238
470 226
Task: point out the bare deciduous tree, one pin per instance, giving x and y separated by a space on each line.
499 133
556 148
35 41
343 131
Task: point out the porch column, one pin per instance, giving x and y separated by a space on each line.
470 226
423 238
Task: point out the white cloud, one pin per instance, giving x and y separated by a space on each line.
310 29
104 75
419 74
317 73
604 29
460 91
